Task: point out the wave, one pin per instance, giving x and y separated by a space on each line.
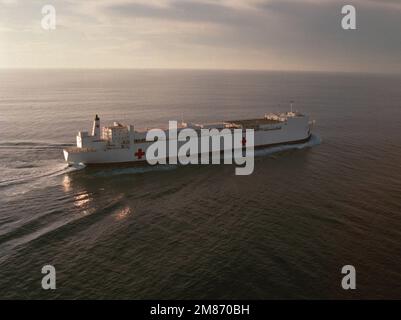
32 145
25 165
134 170
36 177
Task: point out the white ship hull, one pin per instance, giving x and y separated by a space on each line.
293 130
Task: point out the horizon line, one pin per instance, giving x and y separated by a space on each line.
201 69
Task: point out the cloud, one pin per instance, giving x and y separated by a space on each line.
279 34
187 11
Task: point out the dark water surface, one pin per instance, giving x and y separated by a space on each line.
200 231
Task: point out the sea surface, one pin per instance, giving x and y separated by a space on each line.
201 232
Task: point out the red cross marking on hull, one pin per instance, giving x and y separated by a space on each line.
139 154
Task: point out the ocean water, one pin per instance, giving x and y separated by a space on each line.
198 232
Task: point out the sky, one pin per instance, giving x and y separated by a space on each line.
203 34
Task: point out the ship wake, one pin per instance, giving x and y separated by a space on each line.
24 176
26 166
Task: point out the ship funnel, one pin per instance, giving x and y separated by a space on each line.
96 127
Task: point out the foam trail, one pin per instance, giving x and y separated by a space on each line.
32 145
36 180
69 169
27 170
39 177
136 170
